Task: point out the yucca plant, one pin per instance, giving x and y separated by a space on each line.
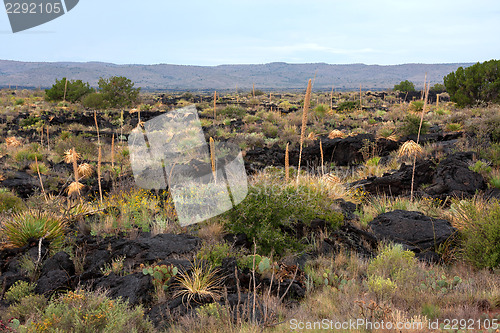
31 225
200 283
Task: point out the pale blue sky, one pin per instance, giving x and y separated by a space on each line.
242 32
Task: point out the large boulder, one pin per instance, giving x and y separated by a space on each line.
454 178
415 230
135 288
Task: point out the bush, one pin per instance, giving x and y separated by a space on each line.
348 106
19 290
417 106
482 239
480 231
405 86
75 90
393 263
10 202
32 225
411 124
26 307
214 253
94 101
271 209
438 88
232 112
119 91
478 83
83 311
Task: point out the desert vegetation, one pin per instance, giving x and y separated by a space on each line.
393 215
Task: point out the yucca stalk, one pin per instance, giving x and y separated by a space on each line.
287 163
360 104
65 89
322 160
253 90
48 143
113 151
215 105
99 158
307 102
40 178
212 158
426 87
331 99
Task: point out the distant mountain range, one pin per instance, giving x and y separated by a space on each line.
272 76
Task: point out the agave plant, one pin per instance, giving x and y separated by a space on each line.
32 225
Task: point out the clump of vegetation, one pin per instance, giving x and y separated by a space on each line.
19 290
9 202
405 86
271 209
475 84
69 90
82 311
411 125
32 225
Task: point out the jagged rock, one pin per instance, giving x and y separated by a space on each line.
415 230
454 178
136 288
59 261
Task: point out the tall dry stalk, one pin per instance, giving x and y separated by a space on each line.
48 143
99 157
253 90
212 158
287 163
65 89
322 160
40 178
331 99
360 103
215 104
307 102
418 135
113 151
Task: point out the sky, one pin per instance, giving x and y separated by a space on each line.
192 32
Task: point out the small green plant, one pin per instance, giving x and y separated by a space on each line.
417 106
115 267
383 288
210 310
453 127
161 275
215 253
395 263
19 101
348 106
495 181
481 167
431 311
438 284
374 161
263 264
411 124
232 112
9 202
19 290
32 225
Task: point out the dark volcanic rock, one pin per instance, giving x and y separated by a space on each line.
59 261
136 288
399 182
454 178
413 229
52 281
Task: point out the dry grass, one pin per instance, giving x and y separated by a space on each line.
410 149
336 134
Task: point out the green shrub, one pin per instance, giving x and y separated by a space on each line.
19 101
270 210
405 86
475 84
214 253
417 106
270 130
411 124
232 112
453 127
394 263
75 90
10 202
119 91
348 106
19 290
481 233
321 110
26 307
83 311
495 182
94 101
31 225
383 288
481 167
